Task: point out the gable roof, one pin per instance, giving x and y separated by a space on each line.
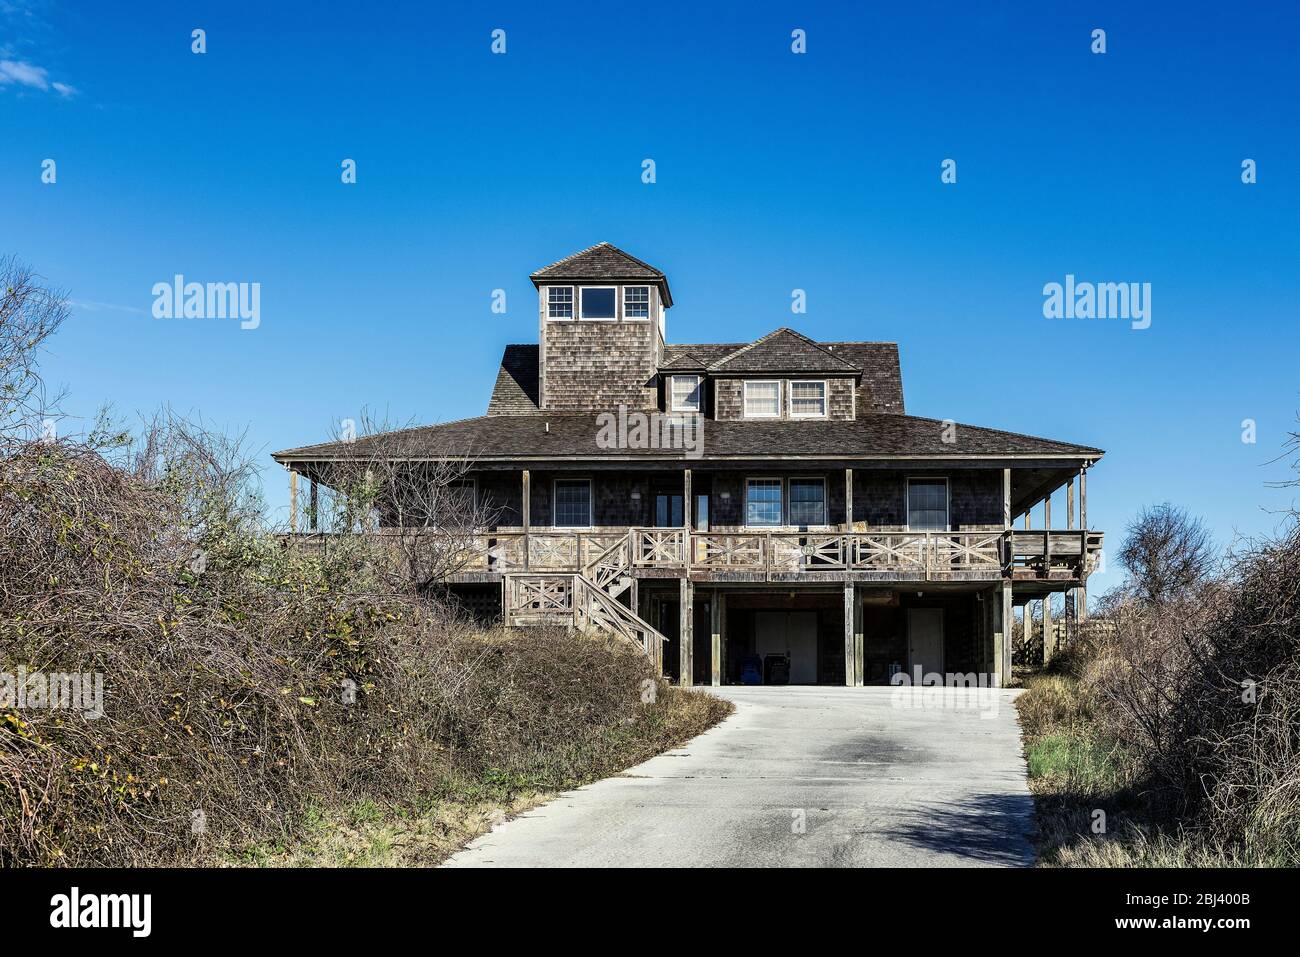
603 261
687 361
780 351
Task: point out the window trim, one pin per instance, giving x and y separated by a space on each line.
744 399
699 392
780 481
826 399
947 501
573 305
555 502
578 305
825 501
623 305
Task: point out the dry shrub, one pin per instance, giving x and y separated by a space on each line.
227 662
1204 690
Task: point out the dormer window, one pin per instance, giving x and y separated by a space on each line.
685 393
559 302
762 398
636 302
599 302
807 399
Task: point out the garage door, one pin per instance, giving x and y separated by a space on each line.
793 633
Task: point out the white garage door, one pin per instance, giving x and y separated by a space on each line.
793 633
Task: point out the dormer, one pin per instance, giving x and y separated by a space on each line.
601 324
784 375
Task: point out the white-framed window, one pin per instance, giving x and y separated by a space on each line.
598 303
807 399
572 503
636 302
559 302
807 501
685 393
762 398
927 504
763 501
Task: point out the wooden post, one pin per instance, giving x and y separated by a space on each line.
293 500
686 501
850 652
1049 632
1083 499
1002 612
685 640
1081 600
313 508
859 643
715 608
1008 558
525 511
1047 512
1069 504
1027 522
1007 612
848 500
1028 627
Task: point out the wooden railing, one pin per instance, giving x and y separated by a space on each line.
605 557
1053 553
575 600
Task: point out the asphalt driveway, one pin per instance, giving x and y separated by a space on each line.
801 777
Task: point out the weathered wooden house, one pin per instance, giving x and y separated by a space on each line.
726 505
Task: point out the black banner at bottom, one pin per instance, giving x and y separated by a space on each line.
328 906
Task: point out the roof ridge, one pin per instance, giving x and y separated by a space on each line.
571 256
812 343
582 252
747 346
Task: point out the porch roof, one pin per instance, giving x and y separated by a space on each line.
572 437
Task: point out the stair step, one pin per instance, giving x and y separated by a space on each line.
618 586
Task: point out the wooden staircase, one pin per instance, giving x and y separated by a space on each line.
587 600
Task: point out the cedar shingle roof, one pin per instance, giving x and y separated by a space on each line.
516 388
603 262
573 435
782 351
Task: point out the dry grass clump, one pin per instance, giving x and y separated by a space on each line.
249 689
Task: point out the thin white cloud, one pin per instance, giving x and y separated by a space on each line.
102 306
26 74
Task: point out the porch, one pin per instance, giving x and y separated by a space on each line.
721 557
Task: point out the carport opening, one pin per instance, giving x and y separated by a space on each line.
797 640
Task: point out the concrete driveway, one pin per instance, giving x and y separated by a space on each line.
801 777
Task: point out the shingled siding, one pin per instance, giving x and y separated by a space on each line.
729 398
612 502
975 498
499 495
598 366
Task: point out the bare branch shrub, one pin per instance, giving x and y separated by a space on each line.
250 682
410 510
1167 553
29 314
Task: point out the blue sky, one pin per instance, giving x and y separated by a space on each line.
775 171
